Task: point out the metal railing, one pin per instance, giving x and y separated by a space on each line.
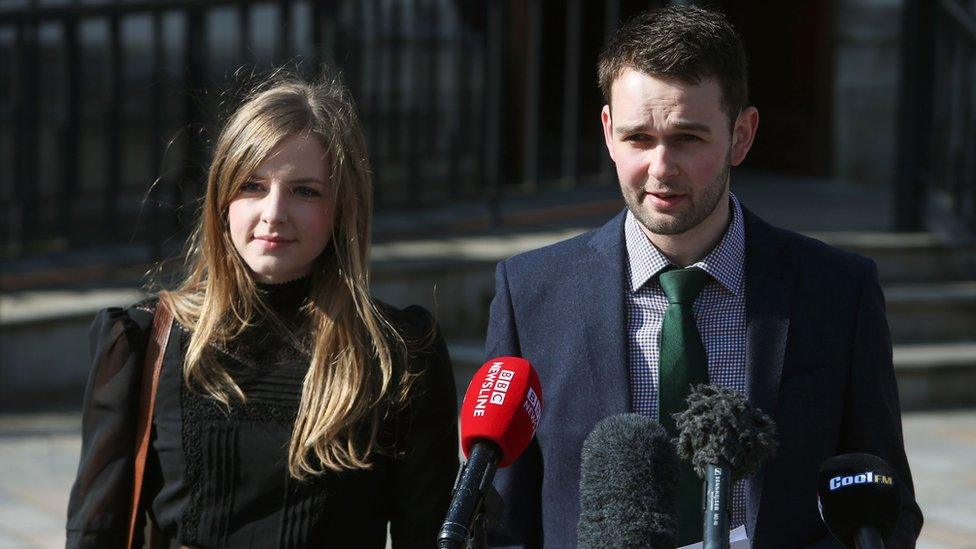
937 146
954 106
461 101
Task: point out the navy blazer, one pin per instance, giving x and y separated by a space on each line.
818 359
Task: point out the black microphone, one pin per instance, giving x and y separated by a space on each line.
726 439
628 483
858 499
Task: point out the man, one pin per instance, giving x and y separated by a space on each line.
795 325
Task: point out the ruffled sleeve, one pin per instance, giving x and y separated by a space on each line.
98 508
426 460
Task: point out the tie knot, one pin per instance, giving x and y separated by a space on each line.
682 286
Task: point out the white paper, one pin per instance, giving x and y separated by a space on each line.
738 539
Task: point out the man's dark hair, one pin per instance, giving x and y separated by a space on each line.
686 43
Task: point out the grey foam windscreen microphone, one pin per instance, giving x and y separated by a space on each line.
726 439
722 425
628 483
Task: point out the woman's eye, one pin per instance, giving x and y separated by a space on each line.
251 187
306 192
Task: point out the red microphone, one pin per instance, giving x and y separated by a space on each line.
499 417
502 405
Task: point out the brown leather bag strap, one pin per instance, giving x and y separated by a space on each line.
156 348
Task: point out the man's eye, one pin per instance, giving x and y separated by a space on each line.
688 138
636 137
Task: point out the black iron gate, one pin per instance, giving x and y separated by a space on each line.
461 101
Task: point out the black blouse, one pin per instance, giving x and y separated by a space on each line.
219 478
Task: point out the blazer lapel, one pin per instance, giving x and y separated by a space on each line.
768 281
600 308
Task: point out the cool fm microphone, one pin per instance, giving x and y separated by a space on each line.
499 417
628 483
858 499
726 439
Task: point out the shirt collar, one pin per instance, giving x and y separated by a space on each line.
723 263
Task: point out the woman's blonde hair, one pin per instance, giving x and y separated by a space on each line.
353 346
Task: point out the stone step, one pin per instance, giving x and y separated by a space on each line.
44 356
936 375
459 295
934 312
930 376
46 330
459 290
906 257
452 277
928 284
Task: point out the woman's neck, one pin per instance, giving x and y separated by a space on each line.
287 298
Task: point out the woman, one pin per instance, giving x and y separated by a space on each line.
292 409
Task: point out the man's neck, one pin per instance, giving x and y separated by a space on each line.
692 245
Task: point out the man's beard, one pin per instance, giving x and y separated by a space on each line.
681 221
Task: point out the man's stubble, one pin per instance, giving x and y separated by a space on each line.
686 220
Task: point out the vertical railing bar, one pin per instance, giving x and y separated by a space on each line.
960 105
476 91
611 18
956 134
916 115
948 162
157 108
431 117
33 112
375 46
458 135
310 68
571 93
369 78
114 134
282 52
352 60
971 148
353 57
70 169
317 37
358 75
244 50
530 129
940 114
493 106
8 174
195 65
967 80
26 158
328 40
413 93
396 104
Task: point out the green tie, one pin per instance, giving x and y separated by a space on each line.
682 365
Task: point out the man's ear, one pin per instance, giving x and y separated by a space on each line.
607 129
743 134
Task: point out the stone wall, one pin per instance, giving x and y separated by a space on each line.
866 75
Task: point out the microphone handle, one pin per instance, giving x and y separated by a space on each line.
473 483
718 499
868 537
